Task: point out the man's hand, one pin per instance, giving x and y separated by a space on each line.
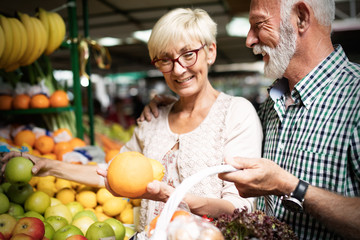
259 177
153 107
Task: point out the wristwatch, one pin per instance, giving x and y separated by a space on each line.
294 202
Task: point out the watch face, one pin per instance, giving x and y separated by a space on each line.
292 204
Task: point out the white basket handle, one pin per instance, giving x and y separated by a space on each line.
179 193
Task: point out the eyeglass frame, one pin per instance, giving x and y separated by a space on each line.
196 51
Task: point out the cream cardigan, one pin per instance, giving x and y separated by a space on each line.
231 128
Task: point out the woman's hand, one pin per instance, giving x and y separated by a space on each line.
153 107
156 190
40 164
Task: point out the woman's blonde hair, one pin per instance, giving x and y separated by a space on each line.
181 24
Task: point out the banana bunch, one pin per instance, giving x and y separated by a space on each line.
23 39
55 27
15 41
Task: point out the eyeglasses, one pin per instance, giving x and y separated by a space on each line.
186 59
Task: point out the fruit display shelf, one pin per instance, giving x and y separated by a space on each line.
36 110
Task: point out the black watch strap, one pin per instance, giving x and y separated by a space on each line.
300 190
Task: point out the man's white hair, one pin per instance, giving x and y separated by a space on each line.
324 10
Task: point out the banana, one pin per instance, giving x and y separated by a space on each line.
17 41
22 35
43 34
42 15
2 40
61 27
37 47
4 22
29 27
54 34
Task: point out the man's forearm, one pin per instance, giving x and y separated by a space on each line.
337 212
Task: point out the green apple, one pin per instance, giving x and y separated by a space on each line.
88 213
38 201
19 192
49 230
7 224
4 203
118 228
5 186
99 230
16 210
74 207
129 232
83 223
59 210
77 237
34 214
18 169
54 201
56 222
66 231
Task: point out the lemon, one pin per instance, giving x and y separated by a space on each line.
47 178
46 186
66 195
114 206
54 201
126 216
34 181
62 183
101 216
99 208
135 202
102 195
158 169
87 198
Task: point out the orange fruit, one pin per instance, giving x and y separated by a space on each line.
62 147
44 144
40 101
77 142
5 102
129 174
21 101
60 154
59 99
25 136
62 135
110 154
178 213
36 152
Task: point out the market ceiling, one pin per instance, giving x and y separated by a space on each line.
119 19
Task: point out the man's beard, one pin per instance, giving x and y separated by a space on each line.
280 56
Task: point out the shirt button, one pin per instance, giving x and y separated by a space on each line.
281 145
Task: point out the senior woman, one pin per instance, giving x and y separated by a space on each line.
202 127
199 130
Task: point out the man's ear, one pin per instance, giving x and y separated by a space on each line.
303 13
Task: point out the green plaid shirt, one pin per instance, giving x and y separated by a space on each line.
318 137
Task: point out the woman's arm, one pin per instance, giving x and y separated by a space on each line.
84 174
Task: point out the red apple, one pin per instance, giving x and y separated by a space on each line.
2 236
7 224
76 237
22 236
31 226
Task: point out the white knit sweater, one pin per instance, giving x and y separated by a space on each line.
231 128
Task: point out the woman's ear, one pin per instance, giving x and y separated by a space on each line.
211 56
303 16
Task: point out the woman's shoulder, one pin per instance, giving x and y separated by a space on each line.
239 103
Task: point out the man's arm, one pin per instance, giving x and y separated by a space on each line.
152 109
259 177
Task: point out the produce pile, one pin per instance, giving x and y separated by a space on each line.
65 208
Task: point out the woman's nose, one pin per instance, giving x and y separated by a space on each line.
178 68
